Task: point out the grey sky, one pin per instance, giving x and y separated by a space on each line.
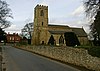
63 12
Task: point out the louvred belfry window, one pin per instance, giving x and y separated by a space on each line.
42 13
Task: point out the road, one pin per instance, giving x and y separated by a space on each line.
20 60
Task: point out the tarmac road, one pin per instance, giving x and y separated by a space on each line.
20 60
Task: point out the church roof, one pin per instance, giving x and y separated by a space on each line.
79 31
57 32
58 25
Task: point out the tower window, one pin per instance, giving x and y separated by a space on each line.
42 23
42 13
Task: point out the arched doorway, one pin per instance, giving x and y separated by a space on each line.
61 40
51 40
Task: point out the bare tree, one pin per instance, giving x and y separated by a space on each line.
91 7
27 30
5 13
93 12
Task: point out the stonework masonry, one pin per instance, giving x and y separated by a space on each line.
71 55
42 31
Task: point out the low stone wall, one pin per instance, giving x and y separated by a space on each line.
74 56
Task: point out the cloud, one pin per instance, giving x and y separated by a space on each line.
44 3
13 29
79 11
80 24
77 14
73 23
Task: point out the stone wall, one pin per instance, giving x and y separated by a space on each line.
83 40
74 56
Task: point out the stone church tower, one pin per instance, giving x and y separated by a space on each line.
40 25
60 35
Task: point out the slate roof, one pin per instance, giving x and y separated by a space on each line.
57 32
58 25
79 32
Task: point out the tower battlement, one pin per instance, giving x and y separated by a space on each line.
41 6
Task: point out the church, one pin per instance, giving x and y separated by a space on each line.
60 35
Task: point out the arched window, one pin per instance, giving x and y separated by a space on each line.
51 40
41 13
61 40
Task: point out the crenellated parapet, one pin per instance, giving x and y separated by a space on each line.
41 6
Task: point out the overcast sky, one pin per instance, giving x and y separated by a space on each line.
61 12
